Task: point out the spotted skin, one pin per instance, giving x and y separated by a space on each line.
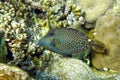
66 41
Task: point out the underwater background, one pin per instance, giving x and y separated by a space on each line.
84 35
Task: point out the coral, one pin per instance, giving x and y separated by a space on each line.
14 30
3 49
6 12
108 32
61 13
21 33
94 8
12 73
116 6
57 67
71 69
27 21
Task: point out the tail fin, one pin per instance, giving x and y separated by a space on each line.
97 46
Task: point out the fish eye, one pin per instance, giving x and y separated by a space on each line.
51 32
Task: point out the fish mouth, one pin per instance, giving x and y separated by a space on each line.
45 41
41 42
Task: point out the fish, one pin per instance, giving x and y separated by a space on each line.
67 42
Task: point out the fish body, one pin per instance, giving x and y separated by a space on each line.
66 41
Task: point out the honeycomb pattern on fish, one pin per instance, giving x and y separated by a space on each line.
65 41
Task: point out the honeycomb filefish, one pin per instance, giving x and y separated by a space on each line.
66 41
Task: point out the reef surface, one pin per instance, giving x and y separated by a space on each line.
24 22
